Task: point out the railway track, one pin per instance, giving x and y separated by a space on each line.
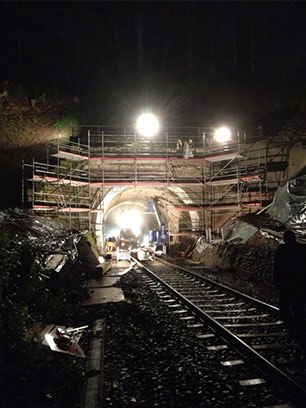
250 326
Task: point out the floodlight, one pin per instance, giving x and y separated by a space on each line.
124 219
147 124
131 220
222 134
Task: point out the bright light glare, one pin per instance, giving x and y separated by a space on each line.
145 241
50 341
48 338
147 124
222 135
130 219
114 233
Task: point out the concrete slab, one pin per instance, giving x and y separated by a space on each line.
104 295
109 281
104 282
95 361
102 290
121 264
117 272
120 268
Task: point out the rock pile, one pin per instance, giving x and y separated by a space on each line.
218 255
252 261
254 264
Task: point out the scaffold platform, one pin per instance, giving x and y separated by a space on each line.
216 181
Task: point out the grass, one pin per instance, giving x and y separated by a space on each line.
66 123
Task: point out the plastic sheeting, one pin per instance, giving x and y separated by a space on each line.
289 204
238 231
287 211
201 244
50 235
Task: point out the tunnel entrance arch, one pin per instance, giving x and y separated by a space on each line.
125 196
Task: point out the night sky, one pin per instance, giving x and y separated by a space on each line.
194 63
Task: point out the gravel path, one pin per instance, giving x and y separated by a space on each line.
152 359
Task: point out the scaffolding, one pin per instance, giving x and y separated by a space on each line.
201 192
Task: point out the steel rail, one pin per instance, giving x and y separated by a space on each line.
292 388
271 308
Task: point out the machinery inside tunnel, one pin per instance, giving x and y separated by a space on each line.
132 215
146 209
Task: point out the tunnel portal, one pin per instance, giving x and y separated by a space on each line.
101 171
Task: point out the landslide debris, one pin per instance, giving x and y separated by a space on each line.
33 293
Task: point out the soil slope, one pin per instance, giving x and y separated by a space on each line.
27 123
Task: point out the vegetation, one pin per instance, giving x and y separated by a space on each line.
16 90
33 375
37 377
67 122
90 238
30 117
